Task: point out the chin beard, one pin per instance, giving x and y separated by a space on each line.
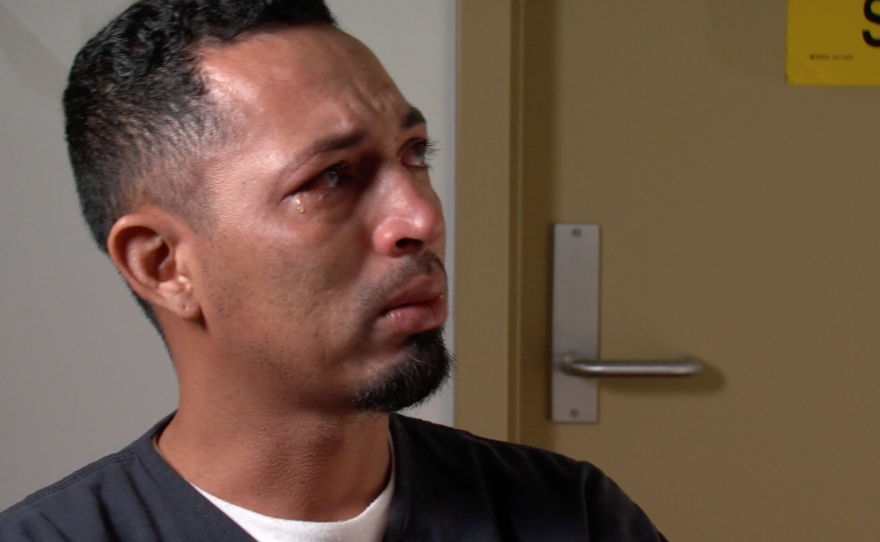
412 381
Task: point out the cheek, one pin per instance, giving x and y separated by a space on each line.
303 280
283 268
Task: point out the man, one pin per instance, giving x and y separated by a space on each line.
262 186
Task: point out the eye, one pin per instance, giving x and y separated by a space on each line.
333 176
330 178
418 154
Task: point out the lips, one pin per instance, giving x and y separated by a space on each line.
419 306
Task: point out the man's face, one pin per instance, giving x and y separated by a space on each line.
321 270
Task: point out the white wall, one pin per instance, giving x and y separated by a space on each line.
81 372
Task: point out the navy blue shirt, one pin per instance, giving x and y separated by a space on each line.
449 486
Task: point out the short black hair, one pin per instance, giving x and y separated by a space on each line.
137 114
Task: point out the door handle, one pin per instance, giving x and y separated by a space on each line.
591 368
575 337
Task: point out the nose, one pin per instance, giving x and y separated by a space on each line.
410 217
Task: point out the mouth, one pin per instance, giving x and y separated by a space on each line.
419 306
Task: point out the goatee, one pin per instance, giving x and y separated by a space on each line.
424 370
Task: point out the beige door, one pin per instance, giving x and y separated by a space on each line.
740 223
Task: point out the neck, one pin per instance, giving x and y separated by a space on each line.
243 436
297 465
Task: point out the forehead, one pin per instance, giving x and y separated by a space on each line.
311 71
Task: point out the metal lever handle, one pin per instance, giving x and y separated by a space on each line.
590 368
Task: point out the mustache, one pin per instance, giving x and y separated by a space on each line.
426 263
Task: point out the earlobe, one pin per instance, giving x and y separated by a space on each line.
148 250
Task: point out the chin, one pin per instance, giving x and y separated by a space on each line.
423 370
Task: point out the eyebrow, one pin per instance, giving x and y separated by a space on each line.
413 118
336 142
332 143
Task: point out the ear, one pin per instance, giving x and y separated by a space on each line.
150 249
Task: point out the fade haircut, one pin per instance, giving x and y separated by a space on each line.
138 118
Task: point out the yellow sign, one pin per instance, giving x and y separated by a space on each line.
833 42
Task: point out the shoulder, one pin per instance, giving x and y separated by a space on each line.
131 491
524 489
73 503
530 469
446 444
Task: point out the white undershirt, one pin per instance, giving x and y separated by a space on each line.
369 526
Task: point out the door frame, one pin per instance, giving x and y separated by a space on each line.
488 216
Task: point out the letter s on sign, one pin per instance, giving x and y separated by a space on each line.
874 18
